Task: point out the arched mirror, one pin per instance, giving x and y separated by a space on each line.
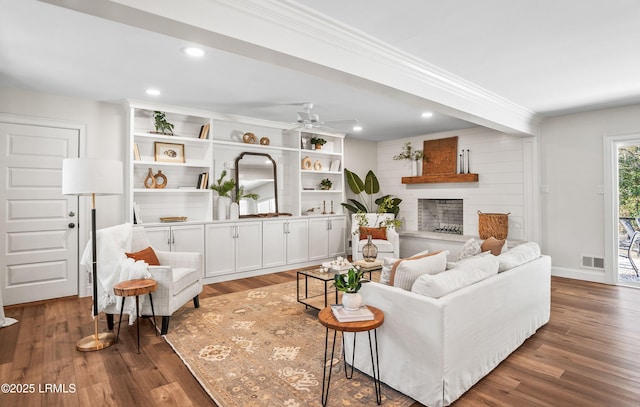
256 184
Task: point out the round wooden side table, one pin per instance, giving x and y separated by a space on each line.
326 318
130 288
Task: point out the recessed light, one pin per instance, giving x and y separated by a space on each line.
153 92
357 128
193 51
427 114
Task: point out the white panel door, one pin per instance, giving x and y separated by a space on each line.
274 243
297 241
248 246
318 238
38 247
337 231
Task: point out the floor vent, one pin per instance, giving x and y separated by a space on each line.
592 262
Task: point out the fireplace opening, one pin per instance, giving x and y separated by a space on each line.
440 215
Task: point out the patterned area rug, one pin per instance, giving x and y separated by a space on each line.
261 348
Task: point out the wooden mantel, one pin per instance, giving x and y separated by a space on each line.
439 165
436 178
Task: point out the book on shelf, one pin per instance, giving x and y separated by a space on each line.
136 152
204 131
203 180
137 217
335 166
343 315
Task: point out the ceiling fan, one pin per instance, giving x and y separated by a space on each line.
309 120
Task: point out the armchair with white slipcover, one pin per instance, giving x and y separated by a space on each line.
386 248
178 276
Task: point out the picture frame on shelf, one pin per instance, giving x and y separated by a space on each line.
169 152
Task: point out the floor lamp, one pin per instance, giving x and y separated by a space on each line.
86 176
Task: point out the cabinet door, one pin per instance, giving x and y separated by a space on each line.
221 245
337 230
274 244
248 246
188 238
318 240
297 241
159 237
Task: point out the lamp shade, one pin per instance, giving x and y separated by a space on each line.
86 176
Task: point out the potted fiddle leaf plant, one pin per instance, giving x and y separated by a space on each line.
350 283
161 124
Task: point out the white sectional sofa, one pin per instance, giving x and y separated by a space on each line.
434 350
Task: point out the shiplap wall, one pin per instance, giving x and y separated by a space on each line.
496 157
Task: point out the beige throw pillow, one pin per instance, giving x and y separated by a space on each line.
405 272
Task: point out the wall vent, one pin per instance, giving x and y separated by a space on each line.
592 262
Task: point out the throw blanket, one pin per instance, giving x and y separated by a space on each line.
114 266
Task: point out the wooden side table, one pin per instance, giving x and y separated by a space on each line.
130 288
326 318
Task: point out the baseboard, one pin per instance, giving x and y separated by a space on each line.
580 274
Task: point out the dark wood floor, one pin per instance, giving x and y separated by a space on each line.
588 355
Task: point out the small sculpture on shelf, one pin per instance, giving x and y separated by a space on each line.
161 124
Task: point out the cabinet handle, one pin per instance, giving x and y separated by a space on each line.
330 225
286 228
235 228
173 237
169 238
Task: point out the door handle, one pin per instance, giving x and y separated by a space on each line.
71 225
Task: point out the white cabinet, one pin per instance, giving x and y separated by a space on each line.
233 247
284 242
326 237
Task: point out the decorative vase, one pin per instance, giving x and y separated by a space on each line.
352 301
369 250
223 207
414 168
234 211
418 168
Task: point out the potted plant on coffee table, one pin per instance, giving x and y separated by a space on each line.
350 283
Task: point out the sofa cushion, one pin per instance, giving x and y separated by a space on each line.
469 249
405 271
387 265
183 277
147 255
493 245
376 233
466 273
518 255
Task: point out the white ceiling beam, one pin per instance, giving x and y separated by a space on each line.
291 35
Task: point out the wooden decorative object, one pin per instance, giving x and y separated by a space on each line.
249 138
317 166
264 141
160 180
306 163
150 181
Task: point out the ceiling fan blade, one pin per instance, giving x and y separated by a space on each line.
346 121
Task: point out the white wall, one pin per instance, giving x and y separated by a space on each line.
498 158
572 171
105 125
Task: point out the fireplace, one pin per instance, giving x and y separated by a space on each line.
440 215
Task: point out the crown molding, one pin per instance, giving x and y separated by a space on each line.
292 35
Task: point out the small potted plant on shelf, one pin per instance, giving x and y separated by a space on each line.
350 283
318 142
326 184
161 124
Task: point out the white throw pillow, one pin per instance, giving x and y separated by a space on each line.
387 265
469 249
468 272
408 270
520 254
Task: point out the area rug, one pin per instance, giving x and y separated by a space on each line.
262 348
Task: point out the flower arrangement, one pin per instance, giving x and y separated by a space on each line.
408 153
